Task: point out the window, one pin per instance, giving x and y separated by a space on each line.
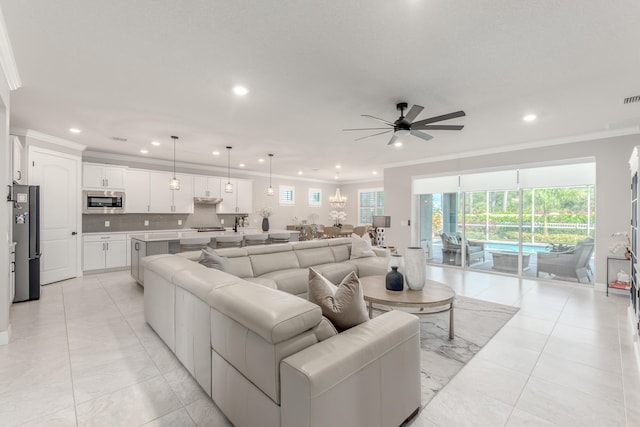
370 203
287 195
315 197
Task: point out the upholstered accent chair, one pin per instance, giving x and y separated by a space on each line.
572 263
452 250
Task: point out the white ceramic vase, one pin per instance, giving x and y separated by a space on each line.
415 268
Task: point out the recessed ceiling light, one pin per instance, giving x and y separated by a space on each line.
299 172
216 153
241 165
240 90
143 151
338 166
156 143
374 172
336 177
261 160
398 143
75 130
529 117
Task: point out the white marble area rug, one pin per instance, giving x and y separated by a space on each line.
475 323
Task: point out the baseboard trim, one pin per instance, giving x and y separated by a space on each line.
4 336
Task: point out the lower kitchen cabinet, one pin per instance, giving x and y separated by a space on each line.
140 250
104 251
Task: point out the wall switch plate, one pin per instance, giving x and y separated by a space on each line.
179 222
222 221
146 222
107 223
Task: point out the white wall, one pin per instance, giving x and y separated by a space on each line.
5 210
613 205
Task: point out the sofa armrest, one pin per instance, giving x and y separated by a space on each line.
382 252
476 243
380 358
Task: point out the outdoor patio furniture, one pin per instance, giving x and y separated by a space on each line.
507 261
452 253
572 263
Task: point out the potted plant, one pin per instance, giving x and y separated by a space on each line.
621 244
337 217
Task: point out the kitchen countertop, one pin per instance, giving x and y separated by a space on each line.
187 234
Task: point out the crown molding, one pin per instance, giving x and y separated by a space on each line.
221 171
7 60
28 133
524 146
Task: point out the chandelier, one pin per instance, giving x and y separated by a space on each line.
338 200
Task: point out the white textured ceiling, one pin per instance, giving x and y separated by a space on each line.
148 69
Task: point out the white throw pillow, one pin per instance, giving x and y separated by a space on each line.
361 247
344 304
210 259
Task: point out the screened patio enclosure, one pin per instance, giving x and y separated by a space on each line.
529 221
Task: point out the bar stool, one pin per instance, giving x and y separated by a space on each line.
255 239
229 241
194 244
279 237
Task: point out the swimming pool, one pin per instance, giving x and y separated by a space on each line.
500 246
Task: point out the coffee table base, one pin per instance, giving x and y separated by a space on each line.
449 308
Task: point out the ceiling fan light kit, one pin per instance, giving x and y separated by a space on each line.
405 125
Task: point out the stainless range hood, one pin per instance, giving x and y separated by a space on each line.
207 200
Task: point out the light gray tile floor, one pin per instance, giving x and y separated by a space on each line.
83 356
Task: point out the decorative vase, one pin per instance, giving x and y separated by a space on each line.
394 280
627 254
265 224
415 268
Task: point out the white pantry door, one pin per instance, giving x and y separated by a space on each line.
57 176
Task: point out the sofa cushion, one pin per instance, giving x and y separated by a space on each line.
275 261
314 256
210 259
269 283
360 247
291 280
324 330
344 304
371 266
341 252
201 281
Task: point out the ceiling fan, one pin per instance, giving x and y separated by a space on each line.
406 126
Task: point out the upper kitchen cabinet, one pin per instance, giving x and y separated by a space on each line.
164 200
238 201
103 176
137 191
206 186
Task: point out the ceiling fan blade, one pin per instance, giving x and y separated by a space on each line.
380 120
365 129
413 112
439 118
422 135
371 136
393 140
437 127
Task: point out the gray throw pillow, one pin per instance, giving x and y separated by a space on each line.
210 259
344 304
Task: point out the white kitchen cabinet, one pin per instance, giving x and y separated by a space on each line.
103 176
101 251
18 154
206 186
160 197
137 191
244 201
183 198
238 201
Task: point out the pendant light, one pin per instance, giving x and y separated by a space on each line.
228 187
270 191
174 183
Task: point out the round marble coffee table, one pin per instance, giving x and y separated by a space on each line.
434 295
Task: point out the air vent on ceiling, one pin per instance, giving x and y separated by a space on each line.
632 99
117 138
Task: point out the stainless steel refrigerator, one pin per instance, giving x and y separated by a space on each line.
26 234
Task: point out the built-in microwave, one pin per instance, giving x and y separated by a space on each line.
103 202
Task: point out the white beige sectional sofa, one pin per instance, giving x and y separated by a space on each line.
266 355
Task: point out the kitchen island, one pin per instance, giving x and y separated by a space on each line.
146 244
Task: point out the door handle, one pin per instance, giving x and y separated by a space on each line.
73 233
19 175
137 246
